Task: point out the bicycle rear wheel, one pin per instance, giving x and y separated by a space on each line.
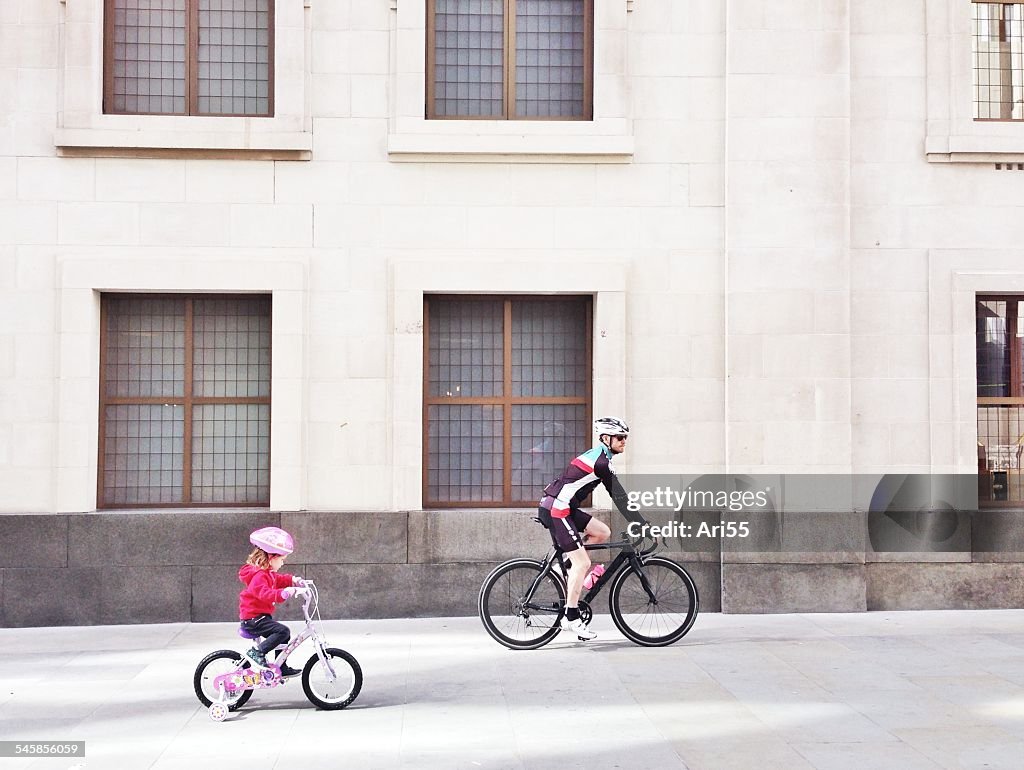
654 623
212 666
508 617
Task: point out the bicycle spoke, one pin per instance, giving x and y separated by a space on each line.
660 620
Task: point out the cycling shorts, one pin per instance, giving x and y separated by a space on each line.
566 533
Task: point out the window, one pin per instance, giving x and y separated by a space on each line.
188 57
510 59
507 396
999 332
998 56
184 400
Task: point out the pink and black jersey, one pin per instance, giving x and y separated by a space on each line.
583 474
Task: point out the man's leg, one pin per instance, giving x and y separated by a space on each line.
568 537
580 567
597 532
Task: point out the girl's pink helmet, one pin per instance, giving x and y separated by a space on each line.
273 540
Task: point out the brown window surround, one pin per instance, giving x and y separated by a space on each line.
181 49
526 91
184 407
507 385
1000 400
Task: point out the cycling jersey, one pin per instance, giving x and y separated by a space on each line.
564 495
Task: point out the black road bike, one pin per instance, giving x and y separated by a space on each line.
653 600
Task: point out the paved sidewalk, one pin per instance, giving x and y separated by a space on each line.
900 690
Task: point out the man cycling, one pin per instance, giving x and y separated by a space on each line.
560 511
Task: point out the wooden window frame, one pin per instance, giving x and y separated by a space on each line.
187 400
506 400
1002 38
509 70
191 66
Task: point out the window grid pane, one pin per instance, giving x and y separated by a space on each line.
145 353
545 438
231 347
144 443
469 42
998 60
464 453
549 357
148 56
550 58
234 57
469 458
993 356
466 348
230 453
142 454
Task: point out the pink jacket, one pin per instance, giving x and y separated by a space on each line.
262 591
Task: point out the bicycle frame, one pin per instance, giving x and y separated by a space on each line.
250 679
628 554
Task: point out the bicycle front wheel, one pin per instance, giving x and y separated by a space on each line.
212 666
662 621
327 692
513 619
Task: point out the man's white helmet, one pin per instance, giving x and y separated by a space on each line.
610 426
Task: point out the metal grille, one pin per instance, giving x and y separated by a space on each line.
998 58
231 354
466 356
145 348
496 435
547 357
234 57
550 42
164 442
465 448
142 462
545 438
469 40
230 453
148 57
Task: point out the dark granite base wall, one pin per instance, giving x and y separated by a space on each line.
153 567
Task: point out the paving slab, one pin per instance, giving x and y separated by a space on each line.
902 690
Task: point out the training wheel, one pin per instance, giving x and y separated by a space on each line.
218 712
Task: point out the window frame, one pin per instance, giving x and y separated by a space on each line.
952 134
509 69
191 66
506 400
1002 38
1016 345
187 400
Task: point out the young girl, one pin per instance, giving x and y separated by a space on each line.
265 588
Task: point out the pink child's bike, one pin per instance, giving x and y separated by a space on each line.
225 679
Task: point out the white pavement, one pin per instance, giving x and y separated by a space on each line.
900 690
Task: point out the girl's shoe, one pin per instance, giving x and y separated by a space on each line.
287 670
256 657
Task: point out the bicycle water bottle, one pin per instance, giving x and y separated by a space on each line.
594 576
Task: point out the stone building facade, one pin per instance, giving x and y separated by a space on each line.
781 220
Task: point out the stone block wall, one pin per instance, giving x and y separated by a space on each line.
161 567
